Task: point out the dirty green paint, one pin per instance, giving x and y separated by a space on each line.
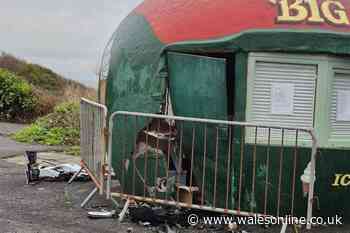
255 201
131 84
330 201
198 86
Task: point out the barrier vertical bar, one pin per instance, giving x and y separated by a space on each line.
204 162
312 183
294 170
216 164
267 170
280 175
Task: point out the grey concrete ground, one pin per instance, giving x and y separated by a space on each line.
46 207
10 148
53 207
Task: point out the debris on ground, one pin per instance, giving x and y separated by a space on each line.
62 172
172 220
36 172
156 216
102 214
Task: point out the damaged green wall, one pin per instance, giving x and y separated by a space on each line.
132 84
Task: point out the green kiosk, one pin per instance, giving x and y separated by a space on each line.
222 60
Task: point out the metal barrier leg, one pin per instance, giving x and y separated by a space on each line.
122 214
115 202
284 228
75 176
88 198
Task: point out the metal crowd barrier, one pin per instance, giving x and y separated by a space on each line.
227 167
92 140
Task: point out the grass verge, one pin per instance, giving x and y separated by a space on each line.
59 128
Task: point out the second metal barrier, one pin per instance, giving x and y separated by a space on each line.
222 166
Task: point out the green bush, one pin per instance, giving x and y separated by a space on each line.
17 101
61 127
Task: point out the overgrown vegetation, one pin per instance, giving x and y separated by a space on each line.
17 99
32 93
49 88
61 127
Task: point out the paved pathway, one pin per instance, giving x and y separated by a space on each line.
9 128
9 147
46 158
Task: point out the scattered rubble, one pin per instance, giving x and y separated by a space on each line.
62 172
36 172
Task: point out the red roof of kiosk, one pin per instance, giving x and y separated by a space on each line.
182 20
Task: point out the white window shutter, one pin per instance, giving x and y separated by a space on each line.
302 79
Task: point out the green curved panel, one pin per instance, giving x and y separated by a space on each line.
131 83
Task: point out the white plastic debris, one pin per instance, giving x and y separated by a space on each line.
101 214
49 172
56 172
69 168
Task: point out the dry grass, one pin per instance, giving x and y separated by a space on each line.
47 101
74 93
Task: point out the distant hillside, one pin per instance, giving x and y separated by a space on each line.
50 88
39 76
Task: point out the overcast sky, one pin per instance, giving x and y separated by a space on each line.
67 36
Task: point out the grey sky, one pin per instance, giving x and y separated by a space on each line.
67 35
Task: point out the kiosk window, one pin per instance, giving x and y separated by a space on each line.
282 94
340 105
302 91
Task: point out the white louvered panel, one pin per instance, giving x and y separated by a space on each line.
303 77
341 81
